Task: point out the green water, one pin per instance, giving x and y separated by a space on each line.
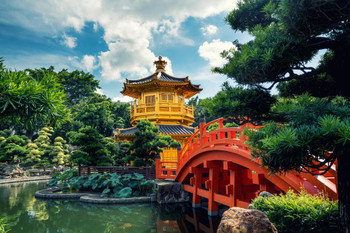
25 213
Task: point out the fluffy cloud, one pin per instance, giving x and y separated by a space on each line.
128 26
99 91
88 62
124 99
209 30
69 41
211 51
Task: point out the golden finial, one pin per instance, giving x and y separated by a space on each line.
160 64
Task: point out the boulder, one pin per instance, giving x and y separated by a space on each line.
11 171
238 220
170 192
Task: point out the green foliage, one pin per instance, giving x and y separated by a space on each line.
59 152
300 212
98 112
34 155
242 103
43 145
122 153
13 149
64 179
311 128
200 109
287 35
30 102
93 150
78 85
109 184
3 221
215 126
148 143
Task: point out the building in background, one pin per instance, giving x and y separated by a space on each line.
160 98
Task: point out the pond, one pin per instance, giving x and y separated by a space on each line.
27 214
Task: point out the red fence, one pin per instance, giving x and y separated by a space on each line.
148 172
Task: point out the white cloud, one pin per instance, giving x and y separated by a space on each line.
124 99
128 26
69 41
209 30
33 61
211 51
88 62
99 91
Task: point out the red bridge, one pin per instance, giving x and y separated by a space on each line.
218 166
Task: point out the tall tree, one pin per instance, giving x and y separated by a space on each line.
92 148
288 34
77 85
148 143
99 112
29 102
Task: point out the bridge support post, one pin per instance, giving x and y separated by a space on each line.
212 184
196 181
234 189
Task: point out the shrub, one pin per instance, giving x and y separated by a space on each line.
109 184
302 212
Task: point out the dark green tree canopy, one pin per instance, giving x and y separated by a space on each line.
306 133
287 35
92 147
244 104
148 143
30 102
77 85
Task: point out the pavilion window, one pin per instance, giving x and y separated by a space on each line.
164 97
150 100
170 98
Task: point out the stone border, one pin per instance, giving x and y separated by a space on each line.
96 199
24 179
51 193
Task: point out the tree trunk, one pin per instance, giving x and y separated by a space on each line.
344 190
339 67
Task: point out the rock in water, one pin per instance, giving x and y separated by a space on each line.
238 220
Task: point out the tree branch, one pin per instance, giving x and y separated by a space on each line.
318 43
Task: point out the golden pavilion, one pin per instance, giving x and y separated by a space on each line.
160 98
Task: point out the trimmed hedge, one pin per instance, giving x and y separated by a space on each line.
302 212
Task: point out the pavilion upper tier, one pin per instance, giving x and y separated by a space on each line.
160 97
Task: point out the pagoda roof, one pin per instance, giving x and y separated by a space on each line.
163 129
160 78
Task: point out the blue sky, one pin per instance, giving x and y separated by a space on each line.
119 39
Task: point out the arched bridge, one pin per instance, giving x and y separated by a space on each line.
218 166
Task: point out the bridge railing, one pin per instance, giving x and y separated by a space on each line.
232 136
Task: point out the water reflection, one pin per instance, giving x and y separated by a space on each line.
27 214
183 218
